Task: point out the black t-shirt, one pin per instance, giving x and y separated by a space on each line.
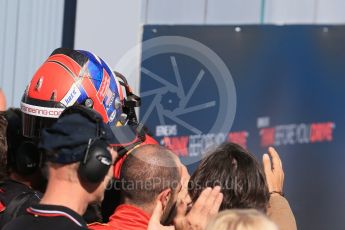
15 198
49 217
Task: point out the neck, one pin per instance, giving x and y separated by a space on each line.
68 194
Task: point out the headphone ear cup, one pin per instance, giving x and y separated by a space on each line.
26 158
96 163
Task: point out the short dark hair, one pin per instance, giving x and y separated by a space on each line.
237 172
146 172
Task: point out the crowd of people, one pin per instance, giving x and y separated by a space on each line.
74 156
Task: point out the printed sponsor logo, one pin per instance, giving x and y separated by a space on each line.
72 96
280 135
104 86
112 116
292 134
41 111
166 130
195 145
110 98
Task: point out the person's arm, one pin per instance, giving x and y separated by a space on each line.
3 140
2 101
279 210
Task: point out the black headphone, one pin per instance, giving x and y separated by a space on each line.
97 159
26 157
131 100
22 154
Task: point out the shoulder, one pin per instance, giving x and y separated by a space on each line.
22 222
279 211
30 222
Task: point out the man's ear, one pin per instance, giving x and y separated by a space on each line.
164 197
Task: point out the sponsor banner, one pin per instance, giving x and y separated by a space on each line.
282 86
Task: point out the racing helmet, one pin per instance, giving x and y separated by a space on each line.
71 77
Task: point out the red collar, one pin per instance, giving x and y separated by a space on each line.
129 217
2 207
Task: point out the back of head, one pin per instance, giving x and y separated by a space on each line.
237 172
146 172
79 139
246 219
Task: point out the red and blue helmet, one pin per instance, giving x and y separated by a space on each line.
66 78
70 77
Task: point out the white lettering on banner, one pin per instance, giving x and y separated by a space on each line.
41 111
303 133
195 145
263 122
166 130
71 96
292 134
202 143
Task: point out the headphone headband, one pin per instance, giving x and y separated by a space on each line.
91 114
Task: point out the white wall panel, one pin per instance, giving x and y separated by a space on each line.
9 33
3 19
29 32
290 12
176 11
330 11
113 29
243 11
233 12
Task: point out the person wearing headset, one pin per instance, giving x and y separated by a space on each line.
78 77
79 164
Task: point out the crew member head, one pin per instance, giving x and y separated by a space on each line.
151 173
238 173
77 154
241 219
